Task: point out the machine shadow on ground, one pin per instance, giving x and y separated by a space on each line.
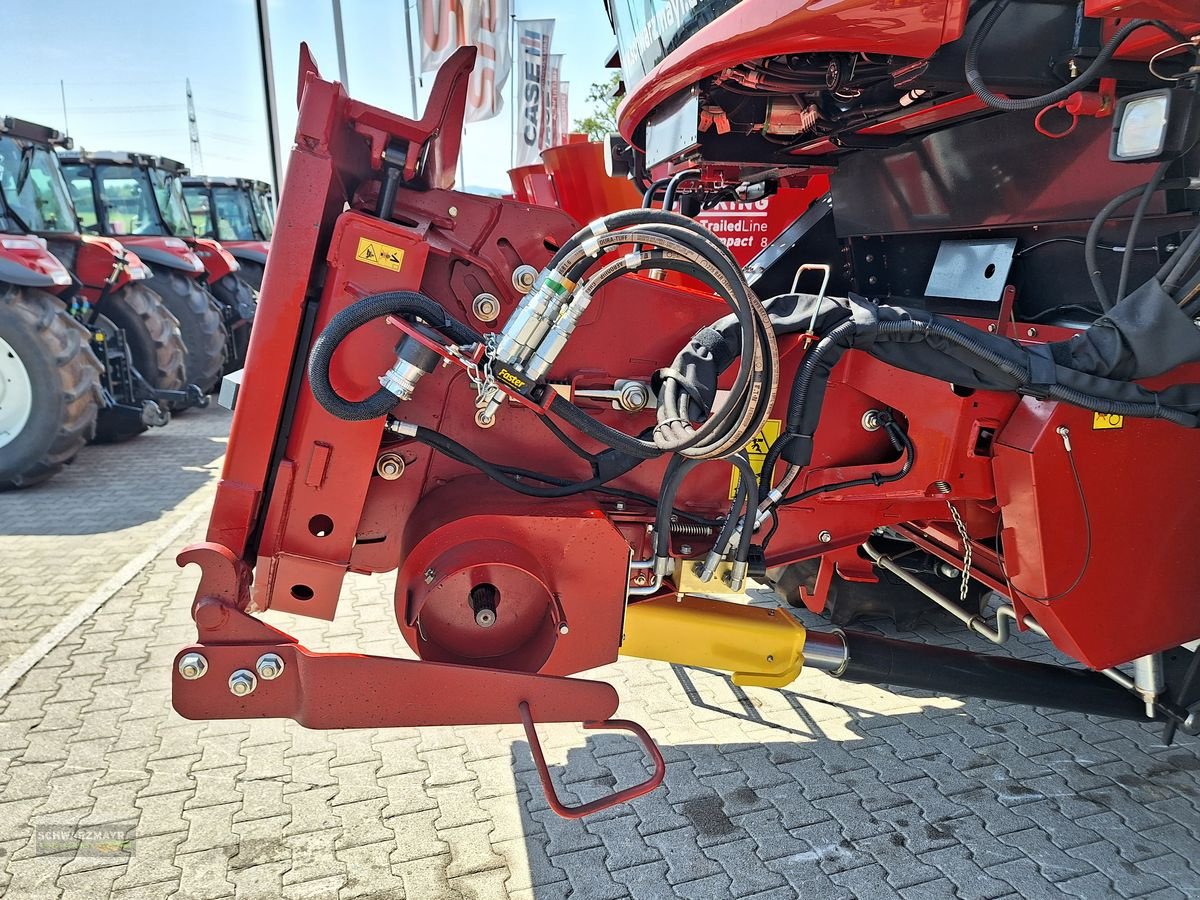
839 799
83 491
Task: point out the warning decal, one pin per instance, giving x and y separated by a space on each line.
756 450
1105 421
373 253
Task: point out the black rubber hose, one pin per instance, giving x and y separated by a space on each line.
673 186
677 468
1135 225
750 481
1085 78
354 317
1176 268
736 511
597 430
1092 242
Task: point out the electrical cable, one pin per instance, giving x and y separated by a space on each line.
1085 78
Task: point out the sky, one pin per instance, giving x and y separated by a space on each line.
124 69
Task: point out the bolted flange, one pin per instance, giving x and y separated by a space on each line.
242 683
269 666
192 666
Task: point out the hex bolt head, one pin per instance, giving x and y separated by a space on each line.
269 666
523 277
242 683
824 537
563 629
192 666
486 307
685 549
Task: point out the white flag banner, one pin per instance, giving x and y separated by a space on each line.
443 30
488 29
554 133
564 118
533 57
447 25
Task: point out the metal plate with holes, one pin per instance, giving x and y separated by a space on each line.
972 270
673 129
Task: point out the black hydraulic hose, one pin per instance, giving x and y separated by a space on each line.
1092 242
354 317
750 481
1085 78
1176 268
736 511
673 186
677 468
597 430
1135 226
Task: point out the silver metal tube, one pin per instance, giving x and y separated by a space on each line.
825 651
1148 679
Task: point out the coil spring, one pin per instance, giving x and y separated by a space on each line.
942 487
690 529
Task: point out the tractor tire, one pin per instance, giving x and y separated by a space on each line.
200 325
49 387
152 335
252 273
113 425
236 297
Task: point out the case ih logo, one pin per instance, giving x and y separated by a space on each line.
533 47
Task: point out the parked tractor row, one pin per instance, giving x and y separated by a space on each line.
119 305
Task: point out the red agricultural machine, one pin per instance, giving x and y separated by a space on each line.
135 342
138 200
565 438
238 212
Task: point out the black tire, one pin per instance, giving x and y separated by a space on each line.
238 306
152 335
199 322
64 380
252 273
113 424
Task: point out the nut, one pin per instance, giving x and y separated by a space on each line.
824 537
483 420
192 666
486 307
563 629
523 278
870 420
269 666
242 683
390 466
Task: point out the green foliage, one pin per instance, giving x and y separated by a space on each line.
603 119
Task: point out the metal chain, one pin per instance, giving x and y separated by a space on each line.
966 541
481 375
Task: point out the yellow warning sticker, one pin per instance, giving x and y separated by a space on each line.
1105 421
756 450
373 253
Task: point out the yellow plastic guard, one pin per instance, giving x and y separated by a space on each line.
761 647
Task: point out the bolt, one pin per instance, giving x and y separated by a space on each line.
992 328
192 666
485 307
870 257
1032 332
430 574
620 506
640 579
269 666
872 280
483 420
770 658
824 537
242 683
563 629
390 466
485 618
948 571
453 211
870 420
523 278
686 549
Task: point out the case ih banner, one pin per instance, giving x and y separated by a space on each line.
533 73
556 101
447 25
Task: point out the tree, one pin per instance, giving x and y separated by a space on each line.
603 119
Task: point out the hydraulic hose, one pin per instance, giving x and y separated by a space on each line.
1135 225
356 316
1085 78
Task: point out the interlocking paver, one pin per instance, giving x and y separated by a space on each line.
823 789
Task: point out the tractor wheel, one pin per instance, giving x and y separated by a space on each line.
199 323
152 335
115 425
252 273
238 307
49 387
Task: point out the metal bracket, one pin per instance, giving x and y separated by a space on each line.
622 796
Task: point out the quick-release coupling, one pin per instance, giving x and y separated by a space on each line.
532 318
413 361
556 337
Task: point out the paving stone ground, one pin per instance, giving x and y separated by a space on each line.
824 790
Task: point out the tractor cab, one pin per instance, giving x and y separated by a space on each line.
239 213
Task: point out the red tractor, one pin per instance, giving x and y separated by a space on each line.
138 200
238 212
992 384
